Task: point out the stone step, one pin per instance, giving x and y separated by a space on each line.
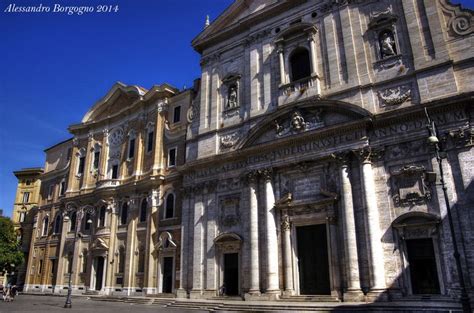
310 298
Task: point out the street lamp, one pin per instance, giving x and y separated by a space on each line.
440 155
69 210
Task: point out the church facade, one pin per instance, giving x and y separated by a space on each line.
308 172
297 167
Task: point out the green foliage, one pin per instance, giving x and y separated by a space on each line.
10 254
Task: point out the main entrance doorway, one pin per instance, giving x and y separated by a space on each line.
231 274
423 271
99 272
313 262
167 286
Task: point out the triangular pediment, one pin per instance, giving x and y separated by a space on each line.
117 99
238 17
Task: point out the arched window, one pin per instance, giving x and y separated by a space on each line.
300 64
124 214
72 225
169 206
143 210
45 226
57 224
121 260
101 221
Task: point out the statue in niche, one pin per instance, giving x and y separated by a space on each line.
297 121
232 97
387 44
279 128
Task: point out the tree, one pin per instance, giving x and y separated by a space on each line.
10 254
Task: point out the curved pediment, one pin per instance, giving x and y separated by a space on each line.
118 98
304 117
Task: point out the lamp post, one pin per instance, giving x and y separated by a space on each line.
70 209
440 155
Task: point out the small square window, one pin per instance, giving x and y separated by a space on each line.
177 114
172 157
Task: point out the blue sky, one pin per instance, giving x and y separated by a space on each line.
53 67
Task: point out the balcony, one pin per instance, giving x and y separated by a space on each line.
299 90
108 183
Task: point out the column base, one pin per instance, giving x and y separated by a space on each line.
377 295
272 294
289 293
209 293
150 291
353 295
252 295
195 294
181 293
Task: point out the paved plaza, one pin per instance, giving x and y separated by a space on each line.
51 304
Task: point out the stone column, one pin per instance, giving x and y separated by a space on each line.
29 279
314 59
373 231
281 59
353 291
198 246
158 158
112 258
140 147
253 236
181 292
129 274
286 235
273 286
151 241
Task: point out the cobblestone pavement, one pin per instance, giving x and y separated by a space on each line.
51 304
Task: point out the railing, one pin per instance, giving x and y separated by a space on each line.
300 85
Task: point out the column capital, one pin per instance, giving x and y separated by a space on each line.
342 158
251 177
267 174
285 223
368 155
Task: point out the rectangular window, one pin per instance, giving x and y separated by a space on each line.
149 146
172 157
80 169
26 197
40 267
96 160
131 149
50 192
115 169
177 114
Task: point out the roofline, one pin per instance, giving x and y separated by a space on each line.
29 171
59 143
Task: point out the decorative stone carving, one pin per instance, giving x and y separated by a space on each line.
342 158
368 154
460 22
387 44
298 123
116 137
230 211
410 186
230 92
394 95
406 149
192 111
232 97
228 141
285 223
462 137
267 174
75 142
162 105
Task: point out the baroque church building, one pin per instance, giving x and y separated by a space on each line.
296 168
308 170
